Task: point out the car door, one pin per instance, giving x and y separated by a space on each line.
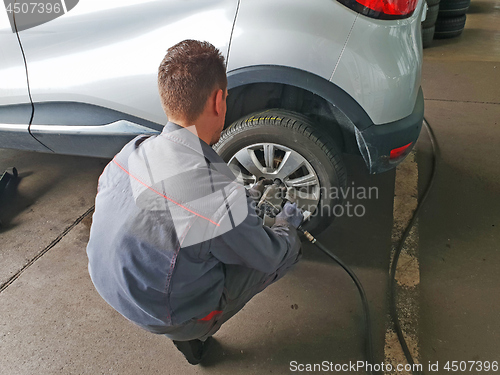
15 104
93 70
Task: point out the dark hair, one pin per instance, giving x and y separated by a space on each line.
188 74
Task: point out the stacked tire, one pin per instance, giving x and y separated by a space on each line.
429 25
451 18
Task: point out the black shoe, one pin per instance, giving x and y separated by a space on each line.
194 350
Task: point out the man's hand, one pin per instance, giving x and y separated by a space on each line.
257 189
290 215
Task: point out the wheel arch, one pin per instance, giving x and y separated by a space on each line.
263 87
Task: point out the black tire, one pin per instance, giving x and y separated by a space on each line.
453 8
431 3
432 15
427 36
298 133
449 27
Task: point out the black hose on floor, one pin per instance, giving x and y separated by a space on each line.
366 310
394 264
395 258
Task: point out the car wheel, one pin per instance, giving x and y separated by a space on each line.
449 27
453 8
432 15
286 145
431 3
428 36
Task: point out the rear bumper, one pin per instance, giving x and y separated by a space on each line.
376 141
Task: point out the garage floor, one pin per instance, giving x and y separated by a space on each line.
53 322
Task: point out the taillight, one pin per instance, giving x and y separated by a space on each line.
400 152
382 9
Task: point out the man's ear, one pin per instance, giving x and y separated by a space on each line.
219 99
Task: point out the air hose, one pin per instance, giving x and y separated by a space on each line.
394 264
366 310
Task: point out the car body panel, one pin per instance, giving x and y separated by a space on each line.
377 141
307 35
14 86
381 66
92 72
88 130
91 140
107 52
15 104
325 89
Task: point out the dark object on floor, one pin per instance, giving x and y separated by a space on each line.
194 350
8 175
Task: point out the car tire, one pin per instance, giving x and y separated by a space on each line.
293 139
453 8
449 27
432 15
428 36
431 3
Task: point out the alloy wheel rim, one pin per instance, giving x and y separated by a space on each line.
271 160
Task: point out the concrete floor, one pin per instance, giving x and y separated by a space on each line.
53 322
459 229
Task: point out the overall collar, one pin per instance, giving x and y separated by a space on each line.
183 136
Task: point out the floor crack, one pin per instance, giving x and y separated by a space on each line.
14 277
460 101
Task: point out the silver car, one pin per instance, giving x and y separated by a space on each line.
308 81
